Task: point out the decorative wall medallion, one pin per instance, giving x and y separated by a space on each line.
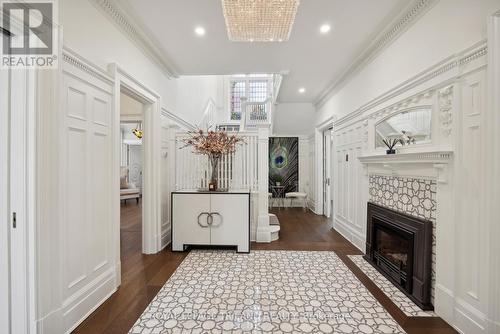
365 133
445 109
416 197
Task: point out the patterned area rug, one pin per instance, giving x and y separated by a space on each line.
399 298
264 292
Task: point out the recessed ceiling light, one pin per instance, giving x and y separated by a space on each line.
302 90
325 28
200 31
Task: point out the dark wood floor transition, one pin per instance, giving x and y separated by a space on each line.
144 275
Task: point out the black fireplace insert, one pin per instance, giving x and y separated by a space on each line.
400 247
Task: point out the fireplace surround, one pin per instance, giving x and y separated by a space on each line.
399 246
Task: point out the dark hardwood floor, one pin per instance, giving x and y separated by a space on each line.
142 278
144 275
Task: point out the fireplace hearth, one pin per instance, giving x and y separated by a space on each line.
400 247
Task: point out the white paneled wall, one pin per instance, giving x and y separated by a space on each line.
85 175
471 223
350 191
456 92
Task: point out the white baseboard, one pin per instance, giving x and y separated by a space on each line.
91 297
459 314
444 301
347 232
468 319
51 323
166 237
66 318
118 274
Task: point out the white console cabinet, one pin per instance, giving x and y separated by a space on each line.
211 218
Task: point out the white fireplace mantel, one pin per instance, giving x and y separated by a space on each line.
432 164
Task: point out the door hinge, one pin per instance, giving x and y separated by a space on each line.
14 220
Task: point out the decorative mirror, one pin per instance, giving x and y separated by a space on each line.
411 126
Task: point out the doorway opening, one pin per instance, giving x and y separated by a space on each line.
132 110
327 173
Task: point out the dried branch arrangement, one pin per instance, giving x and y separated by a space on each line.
212 143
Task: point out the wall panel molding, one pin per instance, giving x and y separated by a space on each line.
454 160
440 75
72 58
88 263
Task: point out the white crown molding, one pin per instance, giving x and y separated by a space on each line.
72 58
178 120
395 29
122 18
454 64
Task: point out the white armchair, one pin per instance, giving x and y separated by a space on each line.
128 190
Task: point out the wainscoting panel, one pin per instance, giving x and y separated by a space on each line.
86 168
350 186
472 260
457 188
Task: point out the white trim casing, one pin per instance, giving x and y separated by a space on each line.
318 181
151 212
493 163
4 210
21 199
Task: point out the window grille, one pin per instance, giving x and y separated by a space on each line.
254 90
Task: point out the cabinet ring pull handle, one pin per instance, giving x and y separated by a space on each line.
215 214
199 216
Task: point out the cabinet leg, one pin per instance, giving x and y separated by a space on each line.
243 249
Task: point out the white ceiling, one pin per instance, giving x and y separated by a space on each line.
312 60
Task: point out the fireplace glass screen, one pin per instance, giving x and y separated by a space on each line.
393 248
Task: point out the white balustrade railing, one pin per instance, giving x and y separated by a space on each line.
256 113
237 170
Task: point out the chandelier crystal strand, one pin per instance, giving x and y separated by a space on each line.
259 20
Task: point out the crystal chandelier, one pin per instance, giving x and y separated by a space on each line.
259 20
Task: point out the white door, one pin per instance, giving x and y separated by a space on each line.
16 95
332 185
230 219
4 210
17 201
326 173
189 217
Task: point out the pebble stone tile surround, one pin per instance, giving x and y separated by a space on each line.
413 196
399 298
264 292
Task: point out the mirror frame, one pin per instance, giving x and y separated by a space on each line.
405 110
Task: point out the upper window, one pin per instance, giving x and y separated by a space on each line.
250 88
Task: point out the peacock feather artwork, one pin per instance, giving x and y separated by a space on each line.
284 162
